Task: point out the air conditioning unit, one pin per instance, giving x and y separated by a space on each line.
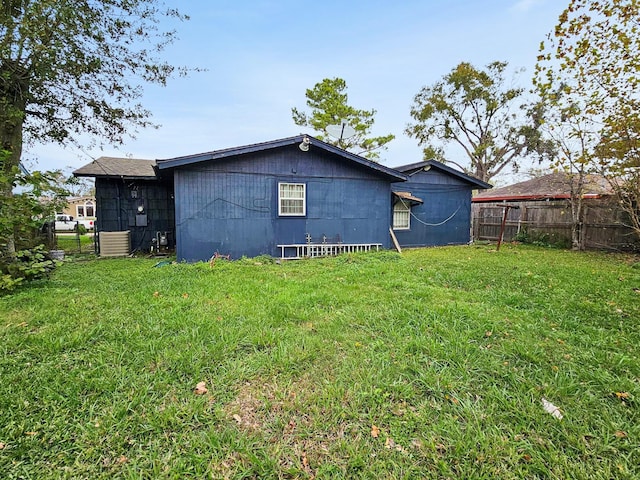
115 244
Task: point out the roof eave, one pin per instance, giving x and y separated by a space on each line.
524 198
123 177
445 168
389 173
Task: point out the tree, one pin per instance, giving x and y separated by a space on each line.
20 216
328 103
588 74
74 67
474 110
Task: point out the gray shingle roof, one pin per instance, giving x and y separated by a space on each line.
553 185
118 167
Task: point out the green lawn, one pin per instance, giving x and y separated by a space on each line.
432 364
73 243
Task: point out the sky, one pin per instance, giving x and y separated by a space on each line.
261 56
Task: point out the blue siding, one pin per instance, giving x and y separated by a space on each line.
116 209
445 216
231 207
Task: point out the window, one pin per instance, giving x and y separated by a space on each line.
292 199
85 210
401 216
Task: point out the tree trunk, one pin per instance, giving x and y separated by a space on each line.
13 102
577 190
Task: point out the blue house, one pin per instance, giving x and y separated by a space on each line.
295 191
292 197
130 197
433 206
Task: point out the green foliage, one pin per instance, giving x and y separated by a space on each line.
473 109
328 103
22 208
70 68
588 75
28 265
447 351
542 239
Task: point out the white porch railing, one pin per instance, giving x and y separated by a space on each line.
311 250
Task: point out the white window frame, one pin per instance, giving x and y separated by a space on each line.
401 207
285 195
83 207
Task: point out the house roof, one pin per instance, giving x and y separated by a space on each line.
412 168
118 167
552 186
389 173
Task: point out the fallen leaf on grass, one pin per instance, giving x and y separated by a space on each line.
185 295
551 408
453 400
2 445
201 388
392 445
375 431
156 294
237 418
620 434
30 433
122 459
622 396
305 463
290 427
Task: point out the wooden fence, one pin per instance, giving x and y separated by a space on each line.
602 225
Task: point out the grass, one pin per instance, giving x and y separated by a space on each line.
432 364
75 244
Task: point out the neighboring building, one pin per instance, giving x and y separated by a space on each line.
433 207
543 213
278 198
81 208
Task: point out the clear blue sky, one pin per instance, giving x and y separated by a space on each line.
262 55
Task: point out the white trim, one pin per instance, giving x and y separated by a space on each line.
300 188
404 209
83 206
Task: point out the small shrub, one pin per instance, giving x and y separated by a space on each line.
541 239
28 265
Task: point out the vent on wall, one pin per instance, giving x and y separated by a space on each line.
114 244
